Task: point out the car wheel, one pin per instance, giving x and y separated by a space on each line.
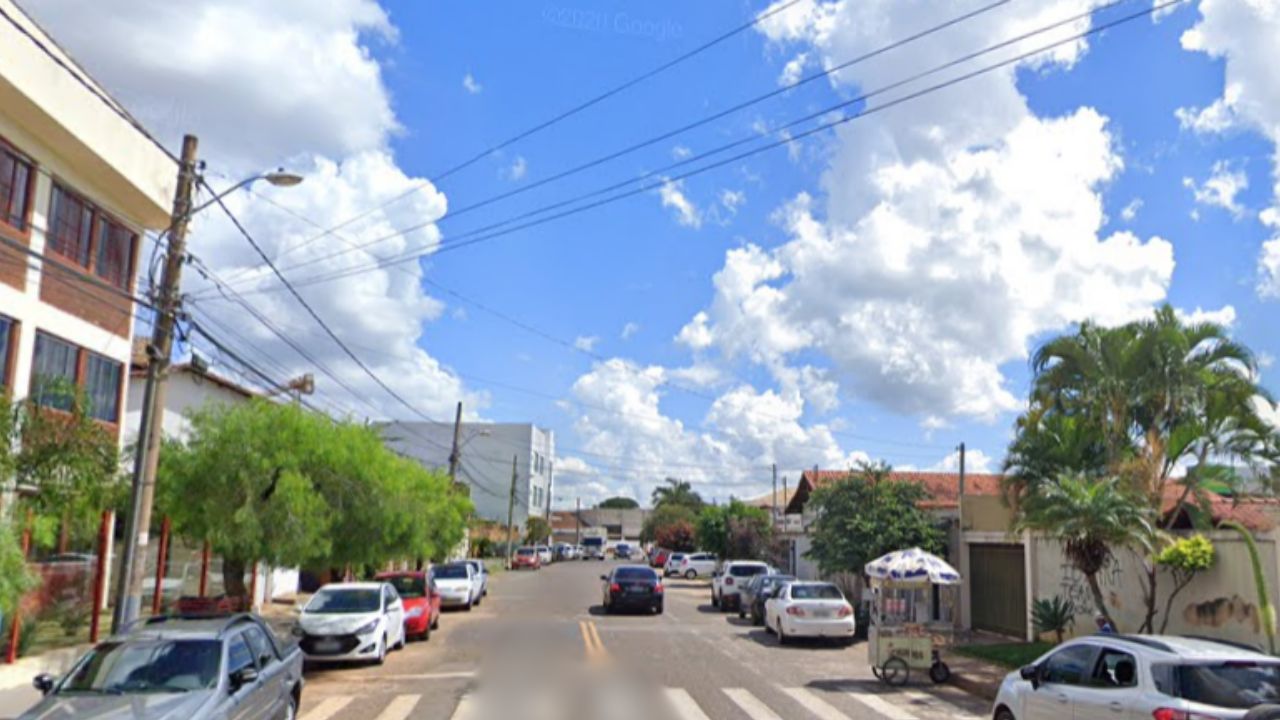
426 633
467 607
742 614
715 601
690 574
657 609
939 672
782 634
1004 714
435 622
381 656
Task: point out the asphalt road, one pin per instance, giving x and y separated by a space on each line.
539 647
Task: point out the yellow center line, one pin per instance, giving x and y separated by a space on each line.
591 639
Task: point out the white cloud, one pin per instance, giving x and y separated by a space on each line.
681 152
686 213
1221 188
698 374
1266 360
1269 269
1267 411
1130 211
586 343
793 70
296 84
518 169
696 335
470 84
629 330
975 461
732 199
1225 316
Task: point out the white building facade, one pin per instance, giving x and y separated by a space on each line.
487 452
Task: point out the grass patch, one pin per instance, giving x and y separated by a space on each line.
1010 655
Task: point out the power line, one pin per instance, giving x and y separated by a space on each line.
559 118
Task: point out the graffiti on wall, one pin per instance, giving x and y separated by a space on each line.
1220 611
1074 586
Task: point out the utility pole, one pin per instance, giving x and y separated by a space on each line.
577 532
775 494
511 508
960 489
147 452
455 455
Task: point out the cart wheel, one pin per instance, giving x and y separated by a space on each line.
939 672
895 672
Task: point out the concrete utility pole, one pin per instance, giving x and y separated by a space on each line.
147 452
960 490
511 508
775 494
577 532
455 455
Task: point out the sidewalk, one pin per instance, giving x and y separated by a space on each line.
16 692
974 676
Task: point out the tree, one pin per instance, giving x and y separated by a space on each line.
679 536
619 503
677 492
662 521
866 515
736 530
537 531
15 577
1091 517
1266 611
1054 615
1184 559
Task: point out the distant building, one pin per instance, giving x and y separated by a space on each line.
187 388
612 524
486 453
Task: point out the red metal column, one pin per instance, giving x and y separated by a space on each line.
100 575
204 569
157 597
16 622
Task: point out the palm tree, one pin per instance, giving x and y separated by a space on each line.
677 492
1092 518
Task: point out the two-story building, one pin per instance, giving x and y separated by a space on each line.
80 184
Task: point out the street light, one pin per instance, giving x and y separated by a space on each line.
278 177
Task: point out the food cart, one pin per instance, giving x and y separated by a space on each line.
907 626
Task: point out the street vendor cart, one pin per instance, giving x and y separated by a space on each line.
907 630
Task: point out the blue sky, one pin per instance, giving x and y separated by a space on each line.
872 292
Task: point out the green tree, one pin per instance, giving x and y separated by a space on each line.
866 515
663 517
1184 559
619 503
736 530
537 531
679 536
15 578
677 492
1092 518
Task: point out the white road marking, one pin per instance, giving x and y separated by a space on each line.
684 704
328 707
750 704
466 709
815 704
950 708
880 705
400 707
460 675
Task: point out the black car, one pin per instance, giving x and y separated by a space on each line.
633 587
753 594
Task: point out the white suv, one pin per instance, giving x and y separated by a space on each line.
730 578
1147 676
696 565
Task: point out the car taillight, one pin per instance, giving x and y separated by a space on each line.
1172 714
795 611
615 587
728 581
845 611
657 588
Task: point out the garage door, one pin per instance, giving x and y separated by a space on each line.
998 589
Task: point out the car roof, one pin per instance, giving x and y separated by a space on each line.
746 562
352 586
187 628
1177 647
634 567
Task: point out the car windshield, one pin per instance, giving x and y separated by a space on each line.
168 666
677 556
593 542
526 552
450 572
634 574
333 601
747 570
815 592
409 586
1234 685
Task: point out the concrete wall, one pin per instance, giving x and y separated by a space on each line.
1220 603
184 391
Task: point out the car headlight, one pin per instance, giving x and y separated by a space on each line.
367 628
415 613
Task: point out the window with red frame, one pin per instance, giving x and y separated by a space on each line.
7 340
15 189
89 238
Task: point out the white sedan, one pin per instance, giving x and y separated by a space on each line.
458 584
351 621
809 609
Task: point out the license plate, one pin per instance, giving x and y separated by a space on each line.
328 646
638 590
823 614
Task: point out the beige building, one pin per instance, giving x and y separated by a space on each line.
79 185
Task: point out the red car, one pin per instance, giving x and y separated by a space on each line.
526 557
659 558
421 602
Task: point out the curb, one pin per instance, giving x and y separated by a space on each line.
980 688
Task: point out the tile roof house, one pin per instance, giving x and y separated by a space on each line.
943 488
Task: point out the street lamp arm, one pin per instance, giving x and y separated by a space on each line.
279 178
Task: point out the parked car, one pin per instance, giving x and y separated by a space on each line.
809 609
206 669
697 565
563 551
635 587
544 554
729 579
622 551
593 548
1146 676
351 621
672 565
421 601
526 557
658 558
457 584
482 576
754 594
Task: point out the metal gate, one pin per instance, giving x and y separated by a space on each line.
998 589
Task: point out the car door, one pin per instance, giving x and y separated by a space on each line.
271 672
247 701
1061 676
1111 691
394 609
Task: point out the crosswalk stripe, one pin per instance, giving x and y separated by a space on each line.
684 705
466 709
815 704
750 704
400 707
879 705
952 709
327 708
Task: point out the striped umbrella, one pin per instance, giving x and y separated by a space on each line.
914 565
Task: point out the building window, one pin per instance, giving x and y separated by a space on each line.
89 238
15 189
53 370
102 387
7 343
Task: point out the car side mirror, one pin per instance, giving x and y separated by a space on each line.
44 683
243 677
1031 673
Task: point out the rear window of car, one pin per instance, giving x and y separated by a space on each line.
593 542
747 570
677 556
815 592
1233 685
409 586
634 574
450 572
526 552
